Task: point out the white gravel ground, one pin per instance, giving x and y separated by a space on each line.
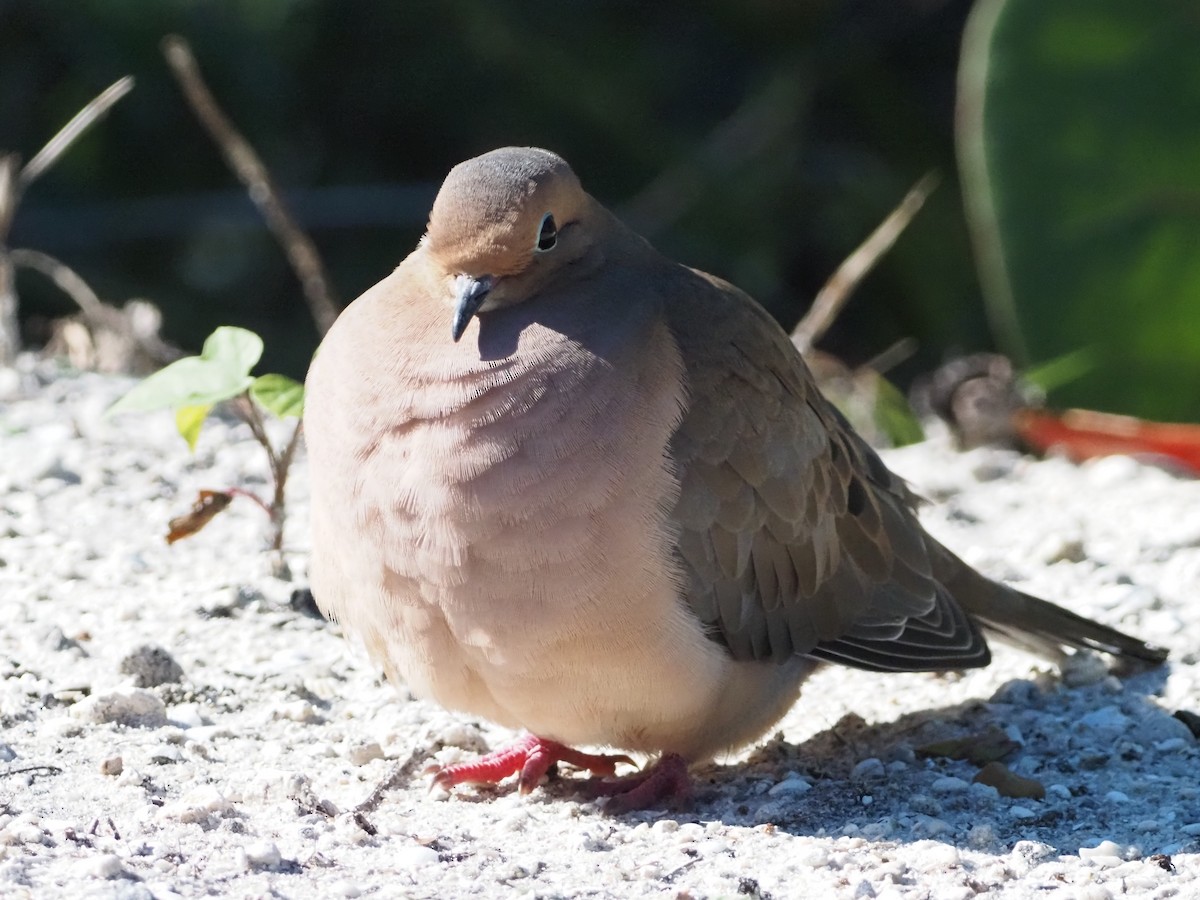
239 776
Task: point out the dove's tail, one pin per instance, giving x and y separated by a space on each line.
1036 625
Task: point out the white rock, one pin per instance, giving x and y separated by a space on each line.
949 784
262 855
414 856
134 708
793 784
867 769
1106 853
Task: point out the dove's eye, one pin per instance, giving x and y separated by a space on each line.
547 234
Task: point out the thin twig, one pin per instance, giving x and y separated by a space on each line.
64 277
892 356
402 773
245 163
69 133
837 290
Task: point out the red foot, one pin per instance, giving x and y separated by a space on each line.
667 779
531 758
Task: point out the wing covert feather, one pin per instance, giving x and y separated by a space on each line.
793 535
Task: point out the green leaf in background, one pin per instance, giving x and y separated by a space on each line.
189 419
1079 144
279 394
235 349
894 417
220 372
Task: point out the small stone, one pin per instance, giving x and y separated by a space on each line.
1104 853
1108 721
112 765
1008 783
415 856
263 855
1022 812
867 769
1059 790
948 784
7 753
814 857
362 753
150 666
982 837
1117 797
106 866
1060 548
1029 854
136 708
792 784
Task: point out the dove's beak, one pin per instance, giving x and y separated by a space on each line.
469 294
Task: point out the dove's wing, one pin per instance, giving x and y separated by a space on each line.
794 537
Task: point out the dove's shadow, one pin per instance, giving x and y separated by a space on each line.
1121 766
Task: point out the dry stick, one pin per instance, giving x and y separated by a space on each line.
837 290
64 277
241 158
14 181
67 135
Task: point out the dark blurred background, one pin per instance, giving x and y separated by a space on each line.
761 140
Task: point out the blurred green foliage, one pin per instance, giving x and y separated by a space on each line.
760 140
1081 153
757 139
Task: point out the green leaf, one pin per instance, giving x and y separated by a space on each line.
192 381
894 417
281 395
220 372
236 349
189 419
1079 142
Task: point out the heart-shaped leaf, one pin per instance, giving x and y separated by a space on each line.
281 395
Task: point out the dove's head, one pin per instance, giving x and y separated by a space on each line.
502 226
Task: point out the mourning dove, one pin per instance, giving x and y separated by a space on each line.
568 485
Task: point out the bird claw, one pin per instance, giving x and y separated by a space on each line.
529 758
667 779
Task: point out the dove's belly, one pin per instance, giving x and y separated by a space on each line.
512 555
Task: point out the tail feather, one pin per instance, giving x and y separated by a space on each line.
1034 624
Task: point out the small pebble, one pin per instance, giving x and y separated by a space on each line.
106 866
262 855
414 856
867 769
113 765
793 784
135 708
362 753
948 784
1106 852
150 666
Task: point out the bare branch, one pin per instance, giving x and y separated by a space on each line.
64 277
837 290
241 158
81 122
10 333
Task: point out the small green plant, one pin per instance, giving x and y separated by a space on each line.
221 373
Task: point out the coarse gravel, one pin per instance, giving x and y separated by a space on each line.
173 724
